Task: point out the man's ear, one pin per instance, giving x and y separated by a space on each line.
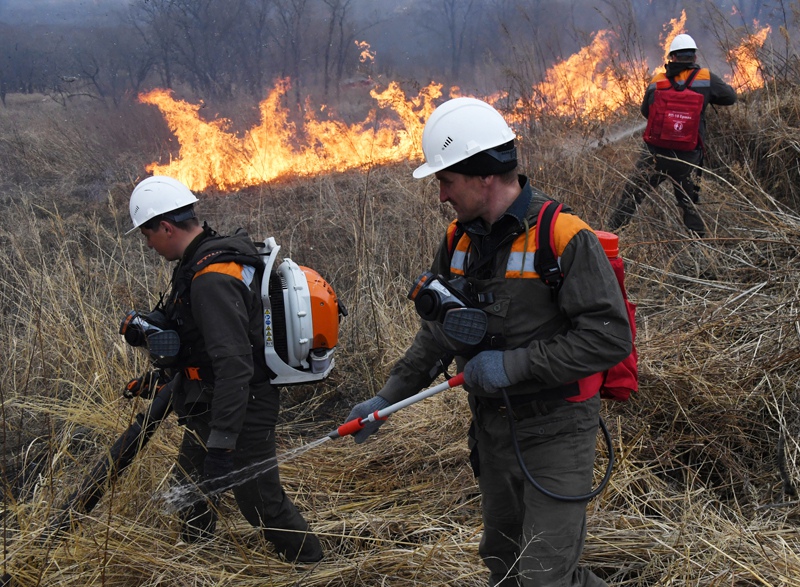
168 227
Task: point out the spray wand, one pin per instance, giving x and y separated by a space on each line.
357 424
185 495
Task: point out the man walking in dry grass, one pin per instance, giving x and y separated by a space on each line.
538 345
674 141
222 391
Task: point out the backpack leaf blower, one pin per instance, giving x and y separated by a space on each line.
301 319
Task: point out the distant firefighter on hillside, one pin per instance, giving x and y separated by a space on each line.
674 105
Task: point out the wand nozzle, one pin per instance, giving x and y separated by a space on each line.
357 424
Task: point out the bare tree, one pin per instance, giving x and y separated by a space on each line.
32 58
290 36
339 39
451 20
151 19
253 46
114 59
195 38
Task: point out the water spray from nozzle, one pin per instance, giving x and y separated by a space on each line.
183 496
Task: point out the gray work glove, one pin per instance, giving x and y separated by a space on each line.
486 371
363 410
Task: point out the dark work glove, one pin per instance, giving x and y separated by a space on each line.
217 465
145 386
486 371
363 410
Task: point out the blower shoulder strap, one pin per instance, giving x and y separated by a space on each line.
225 256
545 261
184 274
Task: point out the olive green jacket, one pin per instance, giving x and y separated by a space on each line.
547 342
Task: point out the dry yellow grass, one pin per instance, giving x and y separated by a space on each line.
696 497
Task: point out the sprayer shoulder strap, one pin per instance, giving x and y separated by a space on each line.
545 261
686 84
454 233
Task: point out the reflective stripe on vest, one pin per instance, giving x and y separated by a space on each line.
245 273
523 249
520 265
701 80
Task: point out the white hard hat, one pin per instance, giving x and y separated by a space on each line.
682 42
458 129
155 196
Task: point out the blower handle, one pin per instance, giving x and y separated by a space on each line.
357 424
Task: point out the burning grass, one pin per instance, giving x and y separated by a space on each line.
697 497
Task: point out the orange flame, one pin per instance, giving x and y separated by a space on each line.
212 155
673 28
747 73
366 55
591 83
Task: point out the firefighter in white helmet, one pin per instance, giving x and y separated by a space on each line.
681 42
675 135
221 386
538 343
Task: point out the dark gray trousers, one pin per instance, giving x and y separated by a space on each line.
530 539
261 500
654 167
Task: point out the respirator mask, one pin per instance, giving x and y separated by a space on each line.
151 331
449 308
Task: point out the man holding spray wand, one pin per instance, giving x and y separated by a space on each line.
484 305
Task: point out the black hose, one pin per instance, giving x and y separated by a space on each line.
586 497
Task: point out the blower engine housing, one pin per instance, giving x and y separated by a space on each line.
301 320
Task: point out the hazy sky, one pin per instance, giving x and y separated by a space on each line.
41 11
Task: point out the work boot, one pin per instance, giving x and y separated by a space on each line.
295 541
310 550
300 548
693 221
198 522
622 214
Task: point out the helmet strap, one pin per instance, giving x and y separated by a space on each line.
185 215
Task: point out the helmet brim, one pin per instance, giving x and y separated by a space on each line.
424 170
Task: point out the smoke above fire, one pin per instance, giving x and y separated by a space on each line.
592 84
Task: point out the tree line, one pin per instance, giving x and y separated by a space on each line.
219 50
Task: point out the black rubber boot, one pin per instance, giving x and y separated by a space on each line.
623 213
297 544
198 522
693 221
